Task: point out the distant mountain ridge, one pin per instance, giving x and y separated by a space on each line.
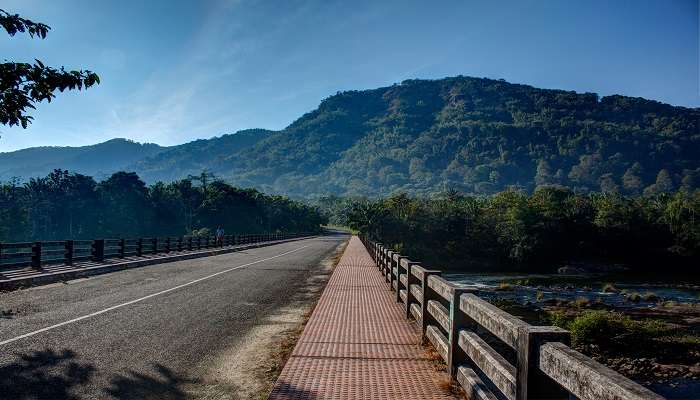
474 135
99 160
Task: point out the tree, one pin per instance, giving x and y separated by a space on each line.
544 174
22 85
631 180
664 184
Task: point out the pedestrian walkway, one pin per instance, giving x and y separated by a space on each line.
358 343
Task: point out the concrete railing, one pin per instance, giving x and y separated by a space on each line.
493 354
37 254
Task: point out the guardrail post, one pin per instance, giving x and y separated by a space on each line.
458 321
154 243
189 243
98 250
68 252
179 243
530 383
398 277
389 265
36 255
167 244
139 247
206 242
428 294
410 280
122 247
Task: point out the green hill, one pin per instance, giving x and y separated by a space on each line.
99 160
214 155
421 136
478 136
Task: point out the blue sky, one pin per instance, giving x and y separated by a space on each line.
175 70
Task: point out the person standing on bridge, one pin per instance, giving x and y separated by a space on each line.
220 236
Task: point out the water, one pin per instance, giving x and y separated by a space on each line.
526 288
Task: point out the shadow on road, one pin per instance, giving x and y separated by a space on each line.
44 375
165 384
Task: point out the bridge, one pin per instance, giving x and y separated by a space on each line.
384 327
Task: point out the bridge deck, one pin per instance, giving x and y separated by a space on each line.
358 343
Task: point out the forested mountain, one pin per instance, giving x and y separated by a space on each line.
472 135
477 136
99 160
192 158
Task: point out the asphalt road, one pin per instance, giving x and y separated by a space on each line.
145 332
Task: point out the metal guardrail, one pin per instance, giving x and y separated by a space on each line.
493 354
37 254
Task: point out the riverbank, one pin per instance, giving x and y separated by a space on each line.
649 332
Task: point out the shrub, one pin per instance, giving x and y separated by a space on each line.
613 331
505 286
651 296
559 318
634 297
595 327
609 288
582 302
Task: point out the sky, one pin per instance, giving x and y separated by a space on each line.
177 70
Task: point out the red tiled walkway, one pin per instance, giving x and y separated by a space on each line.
358 343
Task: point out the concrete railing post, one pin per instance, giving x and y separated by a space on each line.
458 321
428 294
388 254
530 383
122 248
36 255
68 252
398 277
410 280
98 250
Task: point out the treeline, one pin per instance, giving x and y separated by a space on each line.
70 205
549 227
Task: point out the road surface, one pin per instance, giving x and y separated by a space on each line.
151 332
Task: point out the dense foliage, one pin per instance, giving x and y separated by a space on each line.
550 227
477 136
69 205
22 85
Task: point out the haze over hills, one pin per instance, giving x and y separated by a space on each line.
99 160
470 134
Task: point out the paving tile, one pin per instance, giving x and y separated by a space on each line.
358 343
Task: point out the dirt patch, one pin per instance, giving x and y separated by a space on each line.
249 370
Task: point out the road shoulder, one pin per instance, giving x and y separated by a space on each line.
250 369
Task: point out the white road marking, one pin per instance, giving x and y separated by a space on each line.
48 328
